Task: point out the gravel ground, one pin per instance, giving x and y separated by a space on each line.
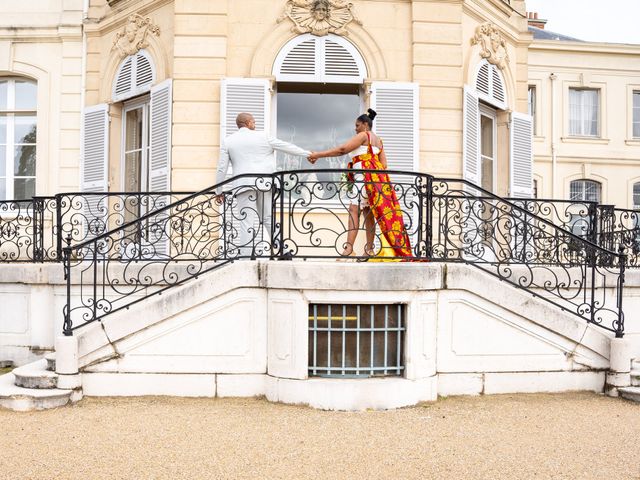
576 436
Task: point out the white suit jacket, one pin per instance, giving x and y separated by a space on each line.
250 151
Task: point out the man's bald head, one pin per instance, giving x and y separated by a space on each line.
245 120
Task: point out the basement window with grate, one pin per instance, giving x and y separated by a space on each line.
356 340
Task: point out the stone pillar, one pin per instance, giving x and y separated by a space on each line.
67 363
619 374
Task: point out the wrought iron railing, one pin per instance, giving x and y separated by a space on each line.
447 220
622 233
35 230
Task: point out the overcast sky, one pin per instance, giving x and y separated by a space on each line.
616 21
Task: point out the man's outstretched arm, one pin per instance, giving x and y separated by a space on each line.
287 147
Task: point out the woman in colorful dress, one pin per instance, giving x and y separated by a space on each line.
377 199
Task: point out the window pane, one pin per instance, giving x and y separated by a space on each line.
3 188
636 100
584 106
636 196
24 188
25 161
3 129
316 121
486 129
26 96
585 191
132 172
25 129
133 132
3 160
3 94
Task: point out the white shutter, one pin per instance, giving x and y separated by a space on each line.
471 137
135 76
330 59
397 122
490 85
521 165
251 95
94 163
95 148
160 138
160 165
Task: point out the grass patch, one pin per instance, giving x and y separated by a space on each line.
5 370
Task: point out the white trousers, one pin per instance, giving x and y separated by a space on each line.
252 218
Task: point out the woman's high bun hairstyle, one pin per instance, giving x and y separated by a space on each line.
367 117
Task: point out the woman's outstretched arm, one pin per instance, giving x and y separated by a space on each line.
350 145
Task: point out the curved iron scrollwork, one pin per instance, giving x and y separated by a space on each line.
306 214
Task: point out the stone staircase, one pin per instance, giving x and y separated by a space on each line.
35 387
632 392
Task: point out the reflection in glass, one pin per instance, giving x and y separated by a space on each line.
133 130
3 94
24 188
26 97
25 161
25 129
487 154
316 121
133 170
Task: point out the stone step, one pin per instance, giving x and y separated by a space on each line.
630 393
6 363
35 375
26 399
51 361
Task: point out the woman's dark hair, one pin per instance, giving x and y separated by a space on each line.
367 117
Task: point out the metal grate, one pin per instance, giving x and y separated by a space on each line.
356 340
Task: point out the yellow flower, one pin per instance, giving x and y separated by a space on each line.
396 226
388 213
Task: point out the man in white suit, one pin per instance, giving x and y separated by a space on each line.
252 152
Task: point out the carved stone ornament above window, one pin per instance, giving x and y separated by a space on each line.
133 38
493 45
319 17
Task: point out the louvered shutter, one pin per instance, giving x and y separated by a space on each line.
160 164
521 165
330 59
397 122
135 76
490 85
160 138
251 95
397 125
471 137
94 169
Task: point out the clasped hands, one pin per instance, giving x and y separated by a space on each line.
313 157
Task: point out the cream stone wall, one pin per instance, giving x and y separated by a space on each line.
423 41
613 158
42 40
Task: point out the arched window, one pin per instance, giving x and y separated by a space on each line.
18 131
490 85
135 76
585 191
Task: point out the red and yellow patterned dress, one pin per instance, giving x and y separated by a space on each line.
383 202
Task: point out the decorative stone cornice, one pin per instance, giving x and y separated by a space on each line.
492 43
133 37
319 17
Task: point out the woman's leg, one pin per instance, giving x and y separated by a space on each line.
354 215
370 226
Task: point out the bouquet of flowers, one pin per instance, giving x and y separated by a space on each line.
346 182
